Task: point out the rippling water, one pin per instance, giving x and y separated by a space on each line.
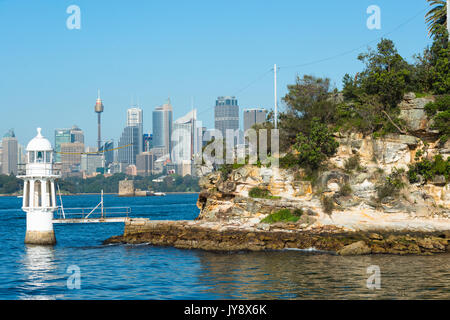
146 272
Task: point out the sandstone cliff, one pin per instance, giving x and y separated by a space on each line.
423 206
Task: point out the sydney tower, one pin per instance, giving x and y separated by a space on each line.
99 110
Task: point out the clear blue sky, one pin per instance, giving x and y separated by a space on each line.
150 50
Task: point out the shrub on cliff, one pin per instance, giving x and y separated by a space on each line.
429 169
327 204
392 184
439 111
261 193
283 215
317 146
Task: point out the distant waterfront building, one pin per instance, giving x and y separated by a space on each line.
129 145
226 114
71 157
162 127
135 119
254 116
61 136
9 153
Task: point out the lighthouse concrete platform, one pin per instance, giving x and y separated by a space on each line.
40 237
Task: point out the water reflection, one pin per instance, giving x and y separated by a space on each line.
296 275
39 270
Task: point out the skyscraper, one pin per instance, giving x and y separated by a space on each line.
9 153
108 152
61 136
162 127
76 135
71 157
254 116
135 119
183 137
226 114
128 145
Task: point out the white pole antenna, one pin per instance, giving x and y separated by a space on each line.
275 94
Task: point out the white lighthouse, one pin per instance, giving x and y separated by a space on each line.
39 196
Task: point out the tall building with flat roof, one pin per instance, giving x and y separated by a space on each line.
76 135
226 114
61 136
254 116
9 153
128 145
71 157
135 119
162 127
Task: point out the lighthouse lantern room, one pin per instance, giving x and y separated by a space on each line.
39 196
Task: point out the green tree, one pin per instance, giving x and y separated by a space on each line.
317 146
386 74
310 97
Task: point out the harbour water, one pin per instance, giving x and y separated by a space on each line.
147 272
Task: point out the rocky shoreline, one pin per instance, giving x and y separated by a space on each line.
216 237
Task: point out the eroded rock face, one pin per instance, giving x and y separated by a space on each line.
351 191
412 112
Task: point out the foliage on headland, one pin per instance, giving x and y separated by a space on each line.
72 185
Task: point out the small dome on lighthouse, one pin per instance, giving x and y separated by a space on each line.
39 143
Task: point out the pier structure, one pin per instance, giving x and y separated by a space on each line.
39 196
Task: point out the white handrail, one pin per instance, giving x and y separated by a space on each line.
60 200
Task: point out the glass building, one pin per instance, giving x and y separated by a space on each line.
9 153
162 127
108 152
129 145
226 114
61 136
254 116
135 119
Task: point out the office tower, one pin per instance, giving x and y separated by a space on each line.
76 135
226 114
9 153
183 137
148 142
144 163
99 109
61 136
91 162
254 116
108 152
135 119
71 157
128 145
162 127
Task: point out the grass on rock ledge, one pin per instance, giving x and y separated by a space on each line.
283 215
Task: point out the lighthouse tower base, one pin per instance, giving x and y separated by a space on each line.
40 228
40 237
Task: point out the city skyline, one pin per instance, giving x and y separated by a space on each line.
146 73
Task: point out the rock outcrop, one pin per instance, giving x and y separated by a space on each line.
341 207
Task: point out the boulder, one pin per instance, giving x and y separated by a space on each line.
355 249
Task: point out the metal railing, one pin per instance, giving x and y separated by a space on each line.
92 213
